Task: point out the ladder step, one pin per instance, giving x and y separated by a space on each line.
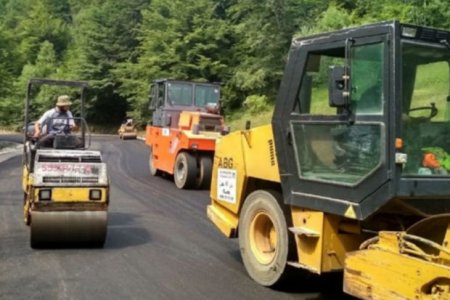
303 231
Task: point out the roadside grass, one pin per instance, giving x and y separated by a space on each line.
10 129
432 86
237 120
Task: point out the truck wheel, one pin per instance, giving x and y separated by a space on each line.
205 171
154 171
185 173
263 238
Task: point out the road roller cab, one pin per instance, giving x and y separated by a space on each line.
183 131
353 174
66 186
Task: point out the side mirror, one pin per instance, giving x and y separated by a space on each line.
338 87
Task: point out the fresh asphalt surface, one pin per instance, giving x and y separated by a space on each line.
160 244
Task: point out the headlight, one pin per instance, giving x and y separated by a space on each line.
95 195
45 195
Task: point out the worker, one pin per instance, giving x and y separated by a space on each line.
58 120
129 122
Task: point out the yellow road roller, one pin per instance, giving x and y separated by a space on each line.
127 129
353 174
66 185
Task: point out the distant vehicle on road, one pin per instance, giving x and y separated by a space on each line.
182 134
128 129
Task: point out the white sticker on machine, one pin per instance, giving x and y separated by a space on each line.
165 131
226 185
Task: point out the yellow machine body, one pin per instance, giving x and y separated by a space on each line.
66 197
127 131
240 158
392 269
245 161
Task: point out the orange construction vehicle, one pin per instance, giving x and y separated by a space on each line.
182 134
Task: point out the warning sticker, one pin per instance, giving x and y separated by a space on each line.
226 185
165 131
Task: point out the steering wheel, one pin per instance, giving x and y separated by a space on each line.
433 111
66 129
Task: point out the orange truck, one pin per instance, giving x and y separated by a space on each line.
182 133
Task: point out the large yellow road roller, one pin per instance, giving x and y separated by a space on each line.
66 187
353 174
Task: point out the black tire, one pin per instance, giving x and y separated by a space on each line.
205 172
264 239
185 171
27 217
154 171
34 243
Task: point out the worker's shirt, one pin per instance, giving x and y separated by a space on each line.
56 121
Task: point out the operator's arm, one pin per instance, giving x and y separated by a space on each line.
37 129
38 125
71 120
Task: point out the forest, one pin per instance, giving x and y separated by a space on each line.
119 47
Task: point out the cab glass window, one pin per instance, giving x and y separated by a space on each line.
206 94
327 148
313 94
426 109
180 93
367 86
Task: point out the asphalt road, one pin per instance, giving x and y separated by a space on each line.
160 244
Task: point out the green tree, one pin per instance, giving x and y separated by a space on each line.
180 40
103 36
40 23
264 30
9 108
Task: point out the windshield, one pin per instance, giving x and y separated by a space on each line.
426 109
206 94
180 93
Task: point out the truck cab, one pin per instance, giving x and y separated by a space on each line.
366 112
169 98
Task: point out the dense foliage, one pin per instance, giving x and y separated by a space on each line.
120 46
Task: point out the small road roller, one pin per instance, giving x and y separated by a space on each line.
66 185
353 174
128 130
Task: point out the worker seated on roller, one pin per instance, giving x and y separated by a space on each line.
129 122
57 121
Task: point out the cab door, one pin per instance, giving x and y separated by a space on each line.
334 159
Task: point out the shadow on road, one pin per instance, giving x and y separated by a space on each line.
328 286
123 231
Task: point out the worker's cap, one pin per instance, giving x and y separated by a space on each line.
63 100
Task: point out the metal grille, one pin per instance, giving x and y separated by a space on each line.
210 124
69 179
94 159
45 158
